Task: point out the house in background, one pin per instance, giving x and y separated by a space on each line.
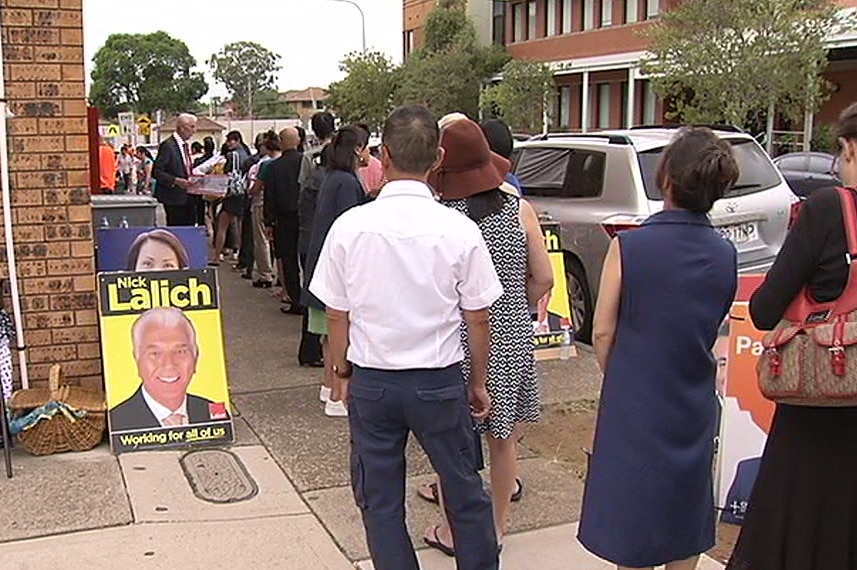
307 102
205 127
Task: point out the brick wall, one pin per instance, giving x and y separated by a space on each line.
49 163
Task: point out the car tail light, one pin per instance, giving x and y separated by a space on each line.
794 212
615 224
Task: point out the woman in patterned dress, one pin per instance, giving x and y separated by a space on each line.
471 180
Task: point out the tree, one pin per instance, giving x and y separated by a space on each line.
732 60
269 104
365 94
448 73
245 69
522 96
145 73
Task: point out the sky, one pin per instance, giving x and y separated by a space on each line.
286 27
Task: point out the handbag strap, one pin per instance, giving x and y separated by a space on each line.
847 301
849 215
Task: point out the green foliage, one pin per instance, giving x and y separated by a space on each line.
269 104
246 69
521 98
365 94
730 60
448 25
448 73
823 138
144 73
444 82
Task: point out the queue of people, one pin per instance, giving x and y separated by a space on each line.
665 292
446 354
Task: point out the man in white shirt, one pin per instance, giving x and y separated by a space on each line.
397 276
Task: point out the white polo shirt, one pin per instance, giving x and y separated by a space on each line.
403 267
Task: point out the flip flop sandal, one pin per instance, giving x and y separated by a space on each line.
431 495
437 544
519 492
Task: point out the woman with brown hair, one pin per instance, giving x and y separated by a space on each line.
803 511
469 180
231 207
157 250
665 290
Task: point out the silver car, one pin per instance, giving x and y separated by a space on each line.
597 184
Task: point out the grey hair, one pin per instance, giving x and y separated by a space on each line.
186 118
163 316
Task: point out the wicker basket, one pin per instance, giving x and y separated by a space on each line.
59 434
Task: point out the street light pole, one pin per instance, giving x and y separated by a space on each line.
362 18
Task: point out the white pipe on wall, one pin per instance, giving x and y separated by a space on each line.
7 224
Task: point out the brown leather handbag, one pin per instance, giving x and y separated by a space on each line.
810 358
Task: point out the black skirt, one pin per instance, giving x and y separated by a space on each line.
233 204
803 511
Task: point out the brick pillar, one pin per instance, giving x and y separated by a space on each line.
49 164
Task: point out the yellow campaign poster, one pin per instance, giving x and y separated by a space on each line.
552 320
164 366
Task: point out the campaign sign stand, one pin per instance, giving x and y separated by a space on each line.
164 366
553 334
747 415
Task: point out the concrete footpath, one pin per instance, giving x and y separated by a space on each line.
286 475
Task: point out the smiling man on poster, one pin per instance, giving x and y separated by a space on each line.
166 353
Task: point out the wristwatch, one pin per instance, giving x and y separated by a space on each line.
342 373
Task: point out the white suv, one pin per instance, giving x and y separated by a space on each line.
596 184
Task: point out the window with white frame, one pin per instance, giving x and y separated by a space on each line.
606 13
650 104
518 17
588 14
632 11
566 16
653 8
603 105
564 107
531 20
550 18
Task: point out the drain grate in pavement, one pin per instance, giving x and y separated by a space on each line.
218 476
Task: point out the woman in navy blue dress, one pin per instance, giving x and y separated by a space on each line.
665 290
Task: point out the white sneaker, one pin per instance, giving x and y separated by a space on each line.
335 409
324 394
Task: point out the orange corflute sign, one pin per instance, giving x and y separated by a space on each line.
747 415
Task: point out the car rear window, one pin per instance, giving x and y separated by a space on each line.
757 172
542 171
560 172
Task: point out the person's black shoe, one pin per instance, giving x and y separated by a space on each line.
239 267
262 284
316 364
289 309
246 275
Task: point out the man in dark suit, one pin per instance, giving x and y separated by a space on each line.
172 172
281 187
166 352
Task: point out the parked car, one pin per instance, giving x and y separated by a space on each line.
598 184
806 172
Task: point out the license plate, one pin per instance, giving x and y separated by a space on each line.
739 233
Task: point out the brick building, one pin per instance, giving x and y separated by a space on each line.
49 174
595 47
